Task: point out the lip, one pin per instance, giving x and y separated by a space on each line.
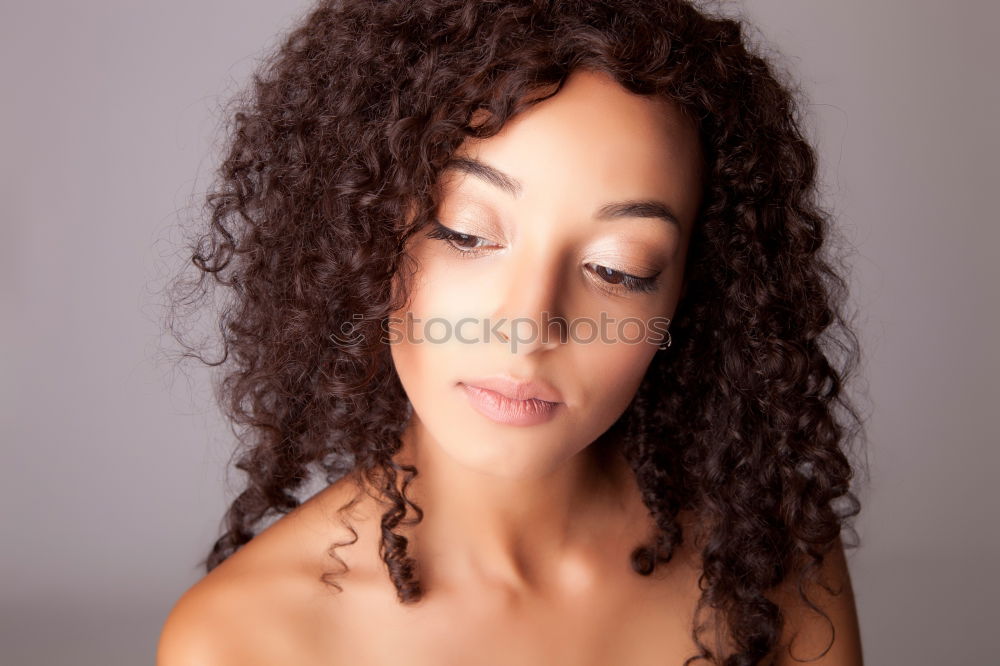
506 411
510 402
517 389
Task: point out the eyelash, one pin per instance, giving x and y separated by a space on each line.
629 282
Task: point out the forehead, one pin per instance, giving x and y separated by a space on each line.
594 140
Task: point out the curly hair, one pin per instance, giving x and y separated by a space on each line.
331 158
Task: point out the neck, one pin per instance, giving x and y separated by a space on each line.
524 534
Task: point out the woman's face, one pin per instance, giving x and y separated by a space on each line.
535 230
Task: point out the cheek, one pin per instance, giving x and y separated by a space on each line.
410 354
424 349
431 342
608 376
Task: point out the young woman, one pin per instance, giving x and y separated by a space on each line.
449 234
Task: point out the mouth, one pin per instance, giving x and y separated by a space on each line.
505 410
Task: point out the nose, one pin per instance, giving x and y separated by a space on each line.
530 318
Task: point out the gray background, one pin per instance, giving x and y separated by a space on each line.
113 462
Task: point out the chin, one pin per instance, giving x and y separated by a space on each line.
505 453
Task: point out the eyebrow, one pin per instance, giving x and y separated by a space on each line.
614 210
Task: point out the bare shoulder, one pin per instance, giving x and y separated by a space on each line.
266 602
202 627
807 634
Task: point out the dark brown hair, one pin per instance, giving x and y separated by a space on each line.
330 165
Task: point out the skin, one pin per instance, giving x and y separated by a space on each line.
523 549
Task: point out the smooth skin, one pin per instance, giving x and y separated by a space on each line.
524 545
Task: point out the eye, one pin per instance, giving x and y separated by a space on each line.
625 281
464 244
468 245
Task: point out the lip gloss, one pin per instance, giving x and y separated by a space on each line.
503 410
